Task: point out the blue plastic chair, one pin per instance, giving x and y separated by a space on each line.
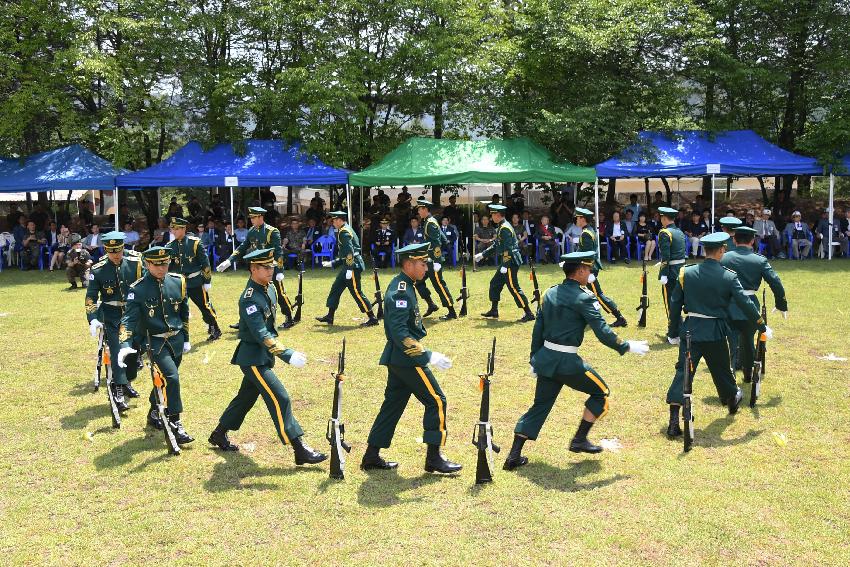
382 254
324 247
628 241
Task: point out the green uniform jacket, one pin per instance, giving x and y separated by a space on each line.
566 310
257 332
156 307
109 284
258 238
435 237
708 289
505 247
348 250
189 257
587 242
671 246
751 269
403 326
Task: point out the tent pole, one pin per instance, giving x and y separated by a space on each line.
831 211
471 226
360 198
348 202
713 217
115 203
596 215
158 204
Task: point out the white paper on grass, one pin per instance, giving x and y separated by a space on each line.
832 357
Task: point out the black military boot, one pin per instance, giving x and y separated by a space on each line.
304 454
118 396
219 438
528 316
673 428
452 314
287 323
436 462
130 391
494 311
73 285
748 377
432 308
372 460
515 458
620 321
234 326
153 419
215 332
371 321
735 402
329 318
180 434
580 443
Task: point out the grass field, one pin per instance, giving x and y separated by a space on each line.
76 491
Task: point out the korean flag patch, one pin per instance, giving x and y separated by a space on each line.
131 296
401 303
91 277
251 309
596 305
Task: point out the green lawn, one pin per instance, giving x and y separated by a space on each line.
75 491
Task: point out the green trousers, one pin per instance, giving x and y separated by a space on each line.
509 278
201 299
606 302
547 391
167 358
732 337
340 284
716 354
119 375
439 284
402 381
745 333
667 290
282 299
262 381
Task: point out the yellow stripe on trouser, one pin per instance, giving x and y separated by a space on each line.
208 304
604 389
276 405
513 288
282 294
666 305
595 290
446 297
440 411
357 295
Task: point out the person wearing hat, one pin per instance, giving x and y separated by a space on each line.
798 234
672 247
189 257
705 293
587 242
407 363
347 255
261 236
157 314
109 284
384 239
767 232
510 259
438 241
79 262
751 269
565 311
728 224
255 355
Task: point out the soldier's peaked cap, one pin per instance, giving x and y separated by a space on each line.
714 240
583 212
585 258
157 255
730 222
256 211
338 215
177 222
113 241
498 208
668 211
264 256
414 251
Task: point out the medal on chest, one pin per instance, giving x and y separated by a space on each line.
109 290
151 312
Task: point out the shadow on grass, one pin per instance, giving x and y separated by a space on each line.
238 471
383 488
85 389
712 432
81 418
121 455
485 323
774 401
551 477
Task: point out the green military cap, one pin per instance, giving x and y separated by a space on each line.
585 258
385 221
157 255
338 215
497 208
583 212
421 202
76 238
744 230
668 212
414 251
264 256
177 222
113 241
714 240
256 211
730 222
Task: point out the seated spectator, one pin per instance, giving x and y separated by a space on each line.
694 230
205 238
79 262
414 234
51 234
655 222
31 246
750 219
629 220
798 233
484 235
224 241
521 235
196 210
384 239
618 236
707 220
162 234
311 234
174 209
19 232
573 234
530 226
63 244
603 224
767 232
844 232
682 220
241 231
295 240
546 242
131 237
451 233
821 233
92 243
328 228
633 207
646 236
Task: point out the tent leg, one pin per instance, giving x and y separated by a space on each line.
596 216
232 216
713 216
348 202
831 212
115 202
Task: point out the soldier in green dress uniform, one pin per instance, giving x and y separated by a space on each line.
672 246
255 355
435 237
348 256
507 250
751 268
704 293
728 226
588 242
157 313
407 363
261 236
109 283
189 257
565 311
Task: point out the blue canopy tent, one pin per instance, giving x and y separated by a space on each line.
264 163
68 168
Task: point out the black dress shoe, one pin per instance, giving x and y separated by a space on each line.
219 438
584 446
153 419
493 313
432 308
435 462
215 333
514 462
130 391
288 324
304 454
371 322
674 430
376 462
452 314
735 402
118 396
620 322
526 318
234 326
329 319
180 434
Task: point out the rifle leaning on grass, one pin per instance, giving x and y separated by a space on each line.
482 434
336 429
687 391
299 299
101 339
535 296
761 357
159 400
379 296
105 362
464 291
644 299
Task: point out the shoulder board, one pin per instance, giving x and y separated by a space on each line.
100 264
132 253
402 286
137 281
760 255
133 257
730 270
190 237
173 275
249 292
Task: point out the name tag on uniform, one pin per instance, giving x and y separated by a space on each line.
251 309
131 296
401 303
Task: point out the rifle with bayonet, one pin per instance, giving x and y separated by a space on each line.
464 291
761 356
159 401
644 299
299 299
101 339
687 391
482 434
535 295
379 296
105 362
336 429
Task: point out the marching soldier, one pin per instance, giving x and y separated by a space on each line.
728 226
435 237
564 313
407 363
751 268
348 256
157 313
109 283
588 242
255 355
672 246
261 236
510 258
704 293
79 261
189 258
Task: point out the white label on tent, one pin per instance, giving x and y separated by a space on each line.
712 168
231 182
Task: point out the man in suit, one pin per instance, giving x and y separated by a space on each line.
384 240
545 236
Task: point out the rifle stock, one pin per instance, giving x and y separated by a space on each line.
482 433
299 299
336 429
110 395
535 297
159 398
97 370
464 293
644 299
379 296
761 357
687 389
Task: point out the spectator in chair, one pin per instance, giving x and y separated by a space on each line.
131 236
484 235
694 230
31 246
225 241
550 250
241 231
634 207
798 233
645 234
767 232
414 234
452 234
293 239
618 235
63 244
521 235
384 240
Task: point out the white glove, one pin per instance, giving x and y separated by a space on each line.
94 326
639 348
784 313
207 286
673 340
591 278
223 266
124 353
441 361
768 332
279 277
298 359
187 346
478 257
503 270
532 371
327 264
349 274
663 280
437 266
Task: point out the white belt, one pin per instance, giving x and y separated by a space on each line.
167 335
114 303
675 262
560 348
750 292
193 274
700 316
